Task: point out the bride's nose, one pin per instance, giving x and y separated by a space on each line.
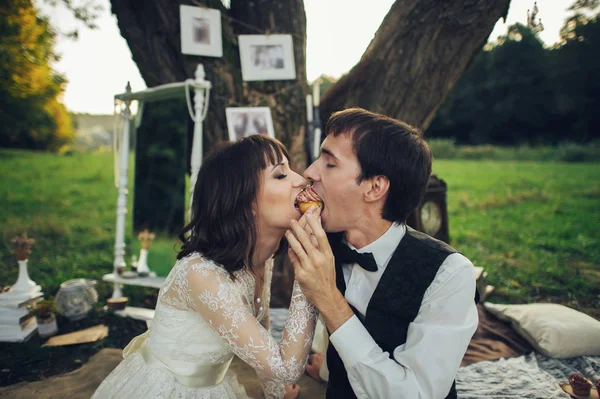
300 181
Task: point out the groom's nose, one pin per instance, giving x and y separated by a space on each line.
311 172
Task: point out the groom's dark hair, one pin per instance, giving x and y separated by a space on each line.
222 226
391 148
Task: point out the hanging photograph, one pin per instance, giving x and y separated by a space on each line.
244 122
200 31
267 57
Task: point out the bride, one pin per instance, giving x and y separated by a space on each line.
215 301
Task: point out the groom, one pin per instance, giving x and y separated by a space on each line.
398 304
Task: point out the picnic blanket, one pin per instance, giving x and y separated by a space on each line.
531 376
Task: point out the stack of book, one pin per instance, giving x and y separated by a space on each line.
16 323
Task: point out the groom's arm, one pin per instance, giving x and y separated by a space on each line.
424 366
427 363
333 307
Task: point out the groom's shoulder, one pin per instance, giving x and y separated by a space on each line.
420 240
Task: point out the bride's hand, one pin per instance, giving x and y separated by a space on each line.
291 391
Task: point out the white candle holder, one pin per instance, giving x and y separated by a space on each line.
24 288
142 266
24 284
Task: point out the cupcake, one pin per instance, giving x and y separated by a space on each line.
581 385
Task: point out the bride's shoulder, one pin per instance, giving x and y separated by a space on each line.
198 263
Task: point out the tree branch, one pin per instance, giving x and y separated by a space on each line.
419 52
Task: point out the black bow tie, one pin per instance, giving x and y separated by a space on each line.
347 255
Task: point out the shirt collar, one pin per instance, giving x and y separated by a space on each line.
384 247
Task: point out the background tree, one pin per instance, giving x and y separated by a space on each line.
503 98
32 115
325 82
159 192
577 62
518 91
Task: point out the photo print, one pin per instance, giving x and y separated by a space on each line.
267 57
246 121
200 31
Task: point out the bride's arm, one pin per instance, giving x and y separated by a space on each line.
272 387
220 303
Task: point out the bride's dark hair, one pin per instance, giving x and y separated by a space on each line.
222 226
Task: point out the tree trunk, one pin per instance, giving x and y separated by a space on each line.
419 52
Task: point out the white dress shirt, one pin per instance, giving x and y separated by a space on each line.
424 366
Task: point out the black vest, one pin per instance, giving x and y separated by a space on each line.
395 302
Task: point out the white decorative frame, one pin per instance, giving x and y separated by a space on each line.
279 65
200 20
251 113
197 111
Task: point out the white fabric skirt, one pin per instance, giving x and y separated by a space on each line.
134 379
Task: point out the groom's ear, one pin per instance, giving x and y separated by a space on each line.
378 187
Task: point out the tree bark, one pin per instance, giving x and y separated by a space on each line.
420 50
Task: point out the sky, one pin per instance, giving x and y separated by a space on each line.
99 64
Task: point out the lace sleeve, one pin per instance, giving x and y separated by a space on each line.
266 322
220 302
272 387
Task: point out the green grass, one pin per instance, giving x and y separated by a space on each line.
564 152
532 225
68 205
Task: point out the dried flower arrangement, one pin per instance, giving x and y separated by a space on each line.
22 246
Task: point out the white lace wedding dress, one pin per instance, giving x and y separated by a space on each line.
203 317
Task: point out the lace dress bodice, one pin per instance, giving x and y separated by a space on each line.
177 322
204 316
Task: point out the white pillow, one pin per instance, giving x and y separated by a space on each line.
553 330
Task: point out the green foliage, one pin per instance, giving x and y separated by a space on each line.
578 85
31 114
87 13
519 92
443 148
564 152
585 4
43 309
325 81
160 167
